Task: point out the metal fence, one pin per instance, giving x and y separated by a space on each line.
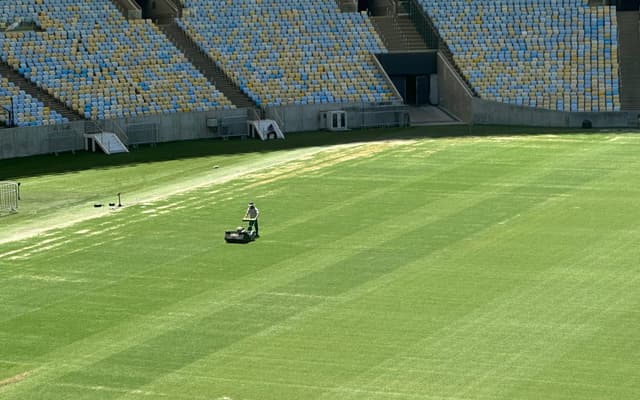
141 133
379 117
64 138
300 118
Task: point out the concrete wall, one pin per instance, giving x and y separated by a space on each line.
491 112
453 95
22 142
185 126
409 63
456 98
299 118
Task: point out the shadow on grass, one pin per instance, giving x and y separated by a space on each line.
82 160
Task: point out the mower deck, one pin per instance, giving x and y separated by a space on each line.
239 235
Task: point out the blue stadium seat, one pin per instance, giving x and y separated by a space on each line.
562 54
89 47
285 52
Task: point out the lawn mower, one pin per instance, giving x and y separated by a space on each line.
240 234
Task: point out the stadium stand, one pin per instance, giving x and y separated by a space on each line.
204 64
23 110
87 55
290 52
553 54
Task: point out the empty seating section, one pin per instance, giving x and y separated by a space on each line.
25 110
290 52
553 54
98 63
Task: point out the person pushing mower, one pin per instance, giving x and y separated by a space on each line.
252 217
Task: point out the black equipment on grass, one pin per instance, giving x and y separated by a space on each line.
241 234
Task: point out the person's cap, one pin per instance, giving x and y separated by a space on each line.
251 203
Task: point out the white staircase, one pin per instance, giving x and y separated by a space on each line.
108 142
265 129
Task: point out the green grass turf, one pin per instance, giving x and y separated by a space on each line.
451 268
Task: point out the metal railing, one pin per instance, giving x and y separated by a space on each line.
176 7
402 5
255 113
423 23
139 133
278 118
427 29
375 116
380 33
120 132
64 137
95 128
399 32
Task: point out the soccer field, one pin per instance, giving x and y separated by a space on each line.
500 267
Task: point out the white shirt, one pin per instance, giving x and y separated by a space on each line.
253 212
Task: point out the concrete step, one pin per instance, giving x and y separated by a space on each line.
109 143
38 93
129 8
399 33
178 5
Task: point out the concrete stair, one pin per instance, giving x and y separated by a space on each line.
629 58
430 115
206 66
108 142
422 22
347 5
399 33
129 8
178 6
36 92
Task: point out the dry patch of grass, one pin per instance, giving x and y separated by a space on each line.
14 379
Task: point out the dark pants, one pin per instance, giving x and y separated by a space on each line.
253 224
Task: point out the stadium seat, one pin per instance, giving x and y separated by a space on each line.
26 110
542 53
87 55
284 52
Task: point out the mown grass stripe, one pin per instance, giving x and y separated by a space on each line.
392 315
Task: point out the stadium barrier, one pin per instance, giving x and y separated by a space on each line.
454 94
301 118
455 97
22 142
493 112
